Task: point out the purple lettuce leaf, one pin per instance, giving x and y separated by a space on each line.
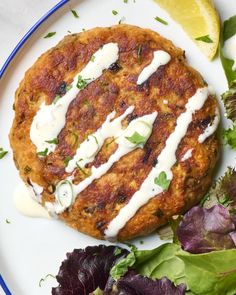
135 284
85 270
203 230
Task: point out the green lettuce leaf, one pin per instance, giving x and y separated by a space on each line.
211 273
228 30
161 262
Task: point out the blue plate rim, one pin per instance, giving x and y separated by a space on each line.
3 284
29 33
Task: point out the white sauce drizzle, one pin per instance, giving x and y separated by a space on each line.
165 162
143 125
24 201
160 58
187 155
211 128
230 50
89 148
50 119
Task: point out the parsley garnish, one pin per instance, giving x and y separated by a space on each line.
93 58
2 153
27 169
68 87
117 251
82 83
43 279
121 20
75 13
136 138
69 31
43 153
125 1
114 12
49 35
8 221
139 53
53 141
57 97
162 181
161 20
67 160
205 39
81 169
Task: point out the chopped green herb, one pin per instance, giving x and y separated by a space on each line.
162 181
125 1
27 170
2 153
225 201
121 20
13 107
68 87
141 242
110 142
53 141
117 251
67 160
69 31
8 221
49 35
83 30
95 139
161 20
139 53
43 153
75 13
205 39
82 83
114 12
81 169
93 58
43 279
57 97
137 138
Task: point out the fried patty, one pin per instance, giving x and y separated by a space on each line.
116 89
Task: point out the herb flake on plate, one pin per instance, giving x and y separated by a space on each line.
42 280
114 12
49 35
160 20
205 39
3 153
74 13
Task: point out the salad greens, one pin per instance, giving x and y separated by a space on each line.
228 30
204 230
229 97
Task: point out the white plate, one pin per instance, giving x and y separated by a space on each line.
32 248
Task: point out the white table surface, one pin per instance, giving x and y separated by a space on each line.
16 18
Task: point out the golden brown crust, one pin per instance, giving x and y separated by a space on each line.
176 82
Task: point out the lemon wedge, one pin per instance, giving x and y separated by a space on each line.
199 20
